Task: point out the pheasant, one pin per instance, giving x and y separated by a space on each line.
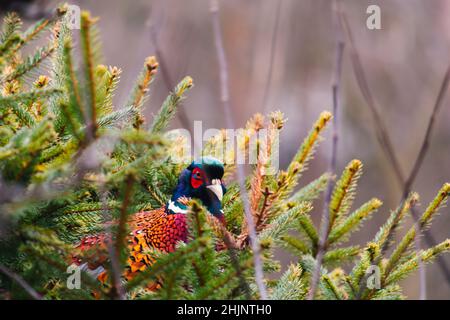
162 228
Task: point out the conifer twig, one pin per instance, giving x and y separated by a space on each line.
325 221
225 100
272 54
33 293
118 290
86 24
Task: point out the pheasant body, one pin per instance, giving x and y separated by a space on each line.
159 229
154 229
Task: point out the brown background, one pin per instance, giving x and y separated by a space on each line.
405 63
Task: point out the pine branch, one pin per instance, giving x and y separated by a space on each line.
32 62
330 289
88 56
308 228
312 190
387 231
411 264
140 90
341 255
290 286
424 221
353 220
343 193
169 107
11 25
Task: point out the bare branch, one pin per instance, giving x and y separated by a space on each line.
272 55
225 100
182 116
385 142
426 140
117 290
336 85
33 293
380 128
412 176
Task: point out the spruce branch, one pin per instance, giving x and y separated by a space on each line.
344 192
353 220
329 288
73 109
294 244
170 105
370 256
36 29
312 190
307 226
117 290
165 262
11 25
386 233
32 62
140 90
26 97
341 255
291 285
424 221
88 56
412 263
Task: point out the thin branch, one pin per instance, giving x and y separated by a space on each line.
272 55
426 140
225 100
118 290
182 116
121 230
231 246
33 293
336 89
412 176
380 127
385 142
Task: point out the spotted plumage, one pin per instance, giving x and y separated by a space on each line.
159 229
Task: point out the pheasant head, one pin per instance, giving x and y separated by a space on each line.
201 180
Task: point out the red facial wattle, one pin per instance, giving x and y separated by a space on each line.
196 178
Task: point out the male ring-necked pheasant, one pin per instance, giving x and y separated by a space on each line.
162 228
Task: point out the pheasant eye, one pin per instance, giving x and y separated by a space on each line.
196 178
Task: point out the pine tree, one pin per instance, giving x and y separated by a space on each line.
73 164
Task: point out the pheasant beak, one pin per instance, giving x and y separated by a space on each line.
216 188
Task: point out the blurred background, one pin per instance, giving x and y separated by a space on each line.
281 56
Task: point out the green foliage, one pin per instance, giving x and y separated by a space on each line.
72 164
